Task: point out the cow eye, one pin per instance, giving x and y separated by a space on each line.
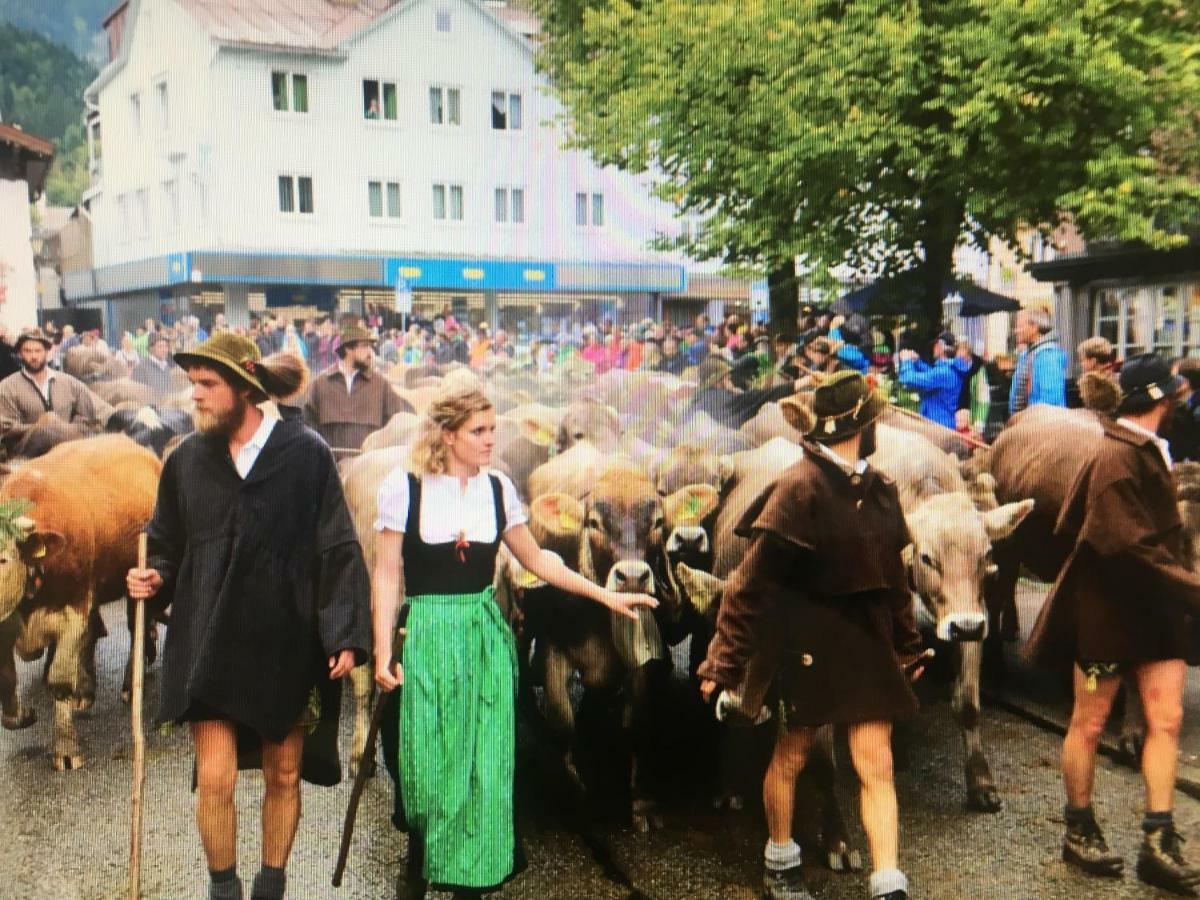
4 560
927 560
658 522
595 523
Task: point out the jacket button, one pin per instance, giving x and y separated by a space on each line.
858 505
806 659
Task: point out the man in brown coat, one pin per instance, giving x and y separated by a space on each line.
37 389
350 399
819 614
1125 603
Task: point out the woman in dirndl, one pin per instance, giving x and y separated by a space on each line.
439 527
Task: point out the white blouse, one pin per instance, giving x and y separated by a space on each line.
446 508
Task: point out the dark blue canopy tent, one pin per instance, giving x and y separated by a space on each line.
898 294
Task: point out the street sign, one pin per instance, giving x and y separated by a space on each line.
404 297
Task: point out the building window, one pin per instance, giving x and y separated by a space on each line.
379 100
506 111
441 18
1139 319
510 205
164 106
280 82
448 202
383 198
596 208
445 104
295 194
135 114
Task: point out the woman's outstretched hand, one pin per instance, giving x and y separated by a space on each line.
626 604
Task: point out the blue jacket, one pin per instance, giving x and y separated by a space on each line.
1049 377
939 386
853 357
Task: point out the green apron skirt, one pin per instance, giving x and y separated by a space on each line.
457 742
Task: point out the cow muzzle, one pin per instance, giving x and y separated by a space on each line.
963 627
687 541
630 577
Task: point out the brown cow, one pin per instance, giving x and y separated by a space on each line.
616 531
88 500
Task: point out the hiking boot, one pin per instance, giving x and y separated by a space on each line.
785 884
1084 846
1161 863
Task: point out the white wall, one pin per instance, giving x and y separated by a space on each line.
235 145
18 285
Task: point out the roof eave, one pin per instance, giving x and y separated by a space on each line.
293 49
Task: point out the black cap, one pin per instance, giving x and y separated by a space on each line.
949 338
1147 376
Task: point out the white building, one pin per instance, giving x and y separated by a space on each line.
319 152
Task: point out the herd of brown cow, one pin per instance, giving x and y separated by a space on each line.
633 490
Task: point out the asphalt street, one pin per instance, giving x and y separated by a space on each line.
65 836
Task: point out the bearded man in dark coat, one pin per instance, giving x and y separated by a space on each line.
819 616
252 545
1125 603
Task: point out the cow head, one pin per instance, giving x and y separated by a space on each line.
688 464
617 529
23 551
592 421
951 555
1187 480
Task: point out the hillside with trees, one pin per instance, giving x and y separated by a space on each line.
41 90
75 23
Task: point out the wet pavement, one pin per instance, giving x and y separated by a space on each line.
65 836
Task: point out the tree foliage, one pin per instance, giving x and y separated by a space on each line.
41 89
75 23
877 134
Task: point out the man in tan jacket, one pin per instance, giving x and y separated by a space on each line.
27 395
349 400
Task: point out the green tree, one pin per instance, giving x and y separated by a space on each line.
878 134
41 89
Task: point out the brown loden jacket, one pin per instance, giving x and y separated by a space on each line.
820 605
1124 595
22 404
345 418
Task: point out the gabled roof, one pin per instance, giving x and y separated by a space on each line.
31 143
320 25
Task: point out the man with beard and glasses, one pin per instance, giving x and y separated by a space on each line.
350 399
26 396
252 547
817 622
1125 603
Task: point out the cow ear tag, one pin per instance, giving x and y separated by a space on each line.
566 521
40 551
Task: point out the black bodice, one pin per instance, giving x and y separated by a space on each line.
448 568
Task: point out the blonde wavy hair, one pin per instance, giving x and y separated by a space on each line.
449 411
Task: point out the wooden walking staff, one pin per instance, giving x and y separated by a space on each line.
368 758
139 737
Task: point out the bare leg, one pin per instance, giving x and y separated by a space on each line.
1161 687
871 750
281 806
779 786
1083 736
216 778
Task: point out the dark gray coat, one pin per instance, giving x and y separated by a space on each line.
265 578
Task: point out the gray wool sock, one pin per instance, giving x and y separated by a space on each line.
269 884
224 885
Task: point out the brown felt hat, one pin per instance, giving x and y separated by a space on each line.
232 353
843 405
33 334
